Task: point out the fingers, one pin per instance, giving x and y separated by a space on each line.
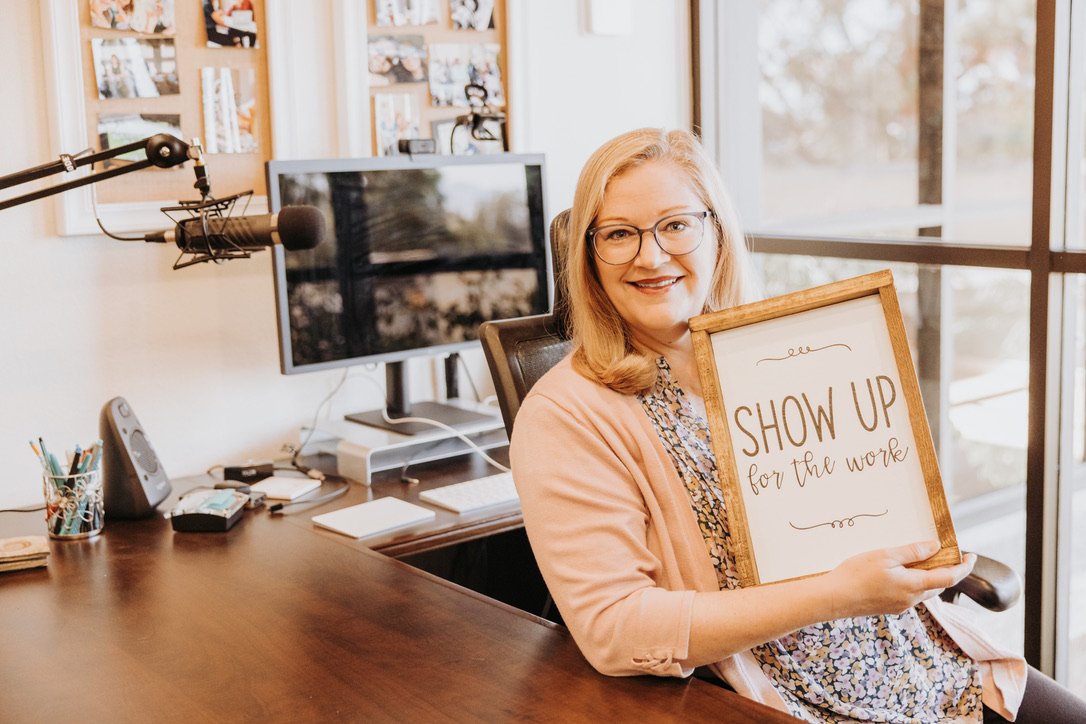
947 576
913 552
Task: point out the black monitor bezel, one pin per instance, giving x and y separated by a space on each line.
539 221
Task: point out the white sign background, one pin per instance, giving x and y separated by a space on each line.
811 505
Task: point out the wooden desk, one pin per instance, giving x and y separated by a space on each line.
275 621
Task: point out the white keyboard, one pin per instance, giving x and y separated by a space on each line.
472 495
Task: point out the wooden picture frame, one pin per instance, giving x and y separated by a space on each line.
819 430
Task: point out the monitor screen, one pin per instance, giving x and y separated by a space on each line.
419 251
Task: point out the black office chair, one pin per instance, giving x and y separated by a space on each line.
520 351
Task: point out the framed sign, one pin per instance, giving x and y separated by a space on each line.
819 430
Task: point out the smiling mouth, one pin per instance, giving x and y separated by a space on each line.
657 284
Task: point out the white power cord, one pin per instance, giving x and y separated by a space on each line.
427 421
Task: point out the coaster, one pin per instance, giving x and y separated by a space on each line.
29 551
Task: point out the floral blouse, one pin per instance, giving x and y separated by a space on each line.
889 668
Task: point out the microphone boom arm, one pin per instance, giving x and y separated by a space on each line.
163 150
203 229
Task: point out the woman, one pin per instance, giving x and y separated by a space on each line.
622 503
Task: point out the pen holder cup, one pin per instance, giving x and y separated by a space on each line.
73 504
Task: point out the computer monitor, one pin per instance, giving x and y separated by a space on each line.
419 251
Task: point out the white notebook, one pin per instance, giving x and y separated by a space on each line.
282 487
376 516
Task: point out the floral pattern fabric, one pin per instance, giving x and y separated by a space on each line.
890 668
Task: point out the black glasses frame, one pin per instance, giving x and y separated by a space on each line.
590 234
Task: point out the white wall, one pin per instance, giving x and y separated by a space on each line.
194 351
572 91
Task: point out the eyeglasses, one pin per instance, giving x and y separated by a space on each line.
677 235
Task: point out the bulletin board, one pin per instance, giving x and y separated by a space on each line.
819 430
177 56
420 55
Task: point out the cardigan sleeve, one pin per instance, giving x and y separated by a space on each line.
589 528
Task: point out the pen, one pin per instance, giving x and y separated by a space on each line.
74 468
96 456
47 457
37 452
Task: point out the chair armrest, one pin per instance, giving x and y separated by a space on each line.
992 584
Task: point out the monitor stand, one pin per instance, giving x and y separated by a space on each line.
397 406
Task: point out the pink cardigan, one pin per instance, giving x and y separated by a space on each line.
618 544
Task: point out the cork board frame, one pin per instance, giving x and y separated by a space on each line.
441 32
819 430
132 202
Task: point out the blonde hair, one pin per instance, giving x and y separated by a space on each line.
603 349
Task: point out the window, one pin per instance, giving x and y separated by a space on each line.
864 134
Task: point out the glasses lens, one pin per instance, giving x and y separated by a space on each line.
616 244
680 234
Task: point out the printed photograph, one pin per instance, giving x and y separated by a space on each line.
394 13
455 65
230 24
154 17
229 102
395 116
471 14
458 141
134 68
119 129
396 59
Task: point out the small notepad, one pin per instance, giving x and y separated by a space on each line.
376 516
281 487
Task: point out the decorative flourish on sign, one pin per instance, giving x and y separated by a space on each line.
841 523
801 350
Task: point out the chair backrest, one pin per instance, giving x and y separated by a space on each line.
520 351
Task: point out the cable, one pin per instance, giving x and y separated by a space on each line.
427 421
107 232
277 508
404 478
467 374
316 416
23 510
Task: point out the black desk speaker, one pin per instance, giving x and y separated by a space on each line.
133 481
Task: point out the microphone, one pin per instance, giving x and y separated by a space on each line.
295 227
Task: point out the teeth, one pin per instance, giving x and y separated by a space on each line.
656 285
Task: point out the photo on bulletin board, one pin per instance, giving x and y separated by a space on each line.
455 65
458 141
396 59
819 430
471 14
153 17
134 68
394 13
231 24
229 103
396 116
119 129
